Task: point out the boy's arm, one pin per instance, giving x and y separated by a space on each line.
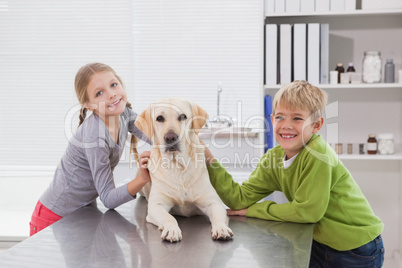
310 200
237 196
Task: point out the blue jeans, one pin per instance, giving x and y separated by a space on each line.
368 255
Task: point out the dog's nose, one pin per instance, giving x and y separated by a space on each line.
171 137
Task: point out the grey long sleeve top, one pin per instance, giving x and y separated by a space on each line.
86 169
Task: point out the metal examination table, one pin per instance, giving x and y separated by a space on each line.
96 237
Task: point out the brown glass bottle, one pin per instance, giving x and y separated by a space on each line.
351 68
340 69
372 144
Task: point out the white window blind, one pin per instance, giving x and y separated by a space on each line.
186 47
159 48
43 43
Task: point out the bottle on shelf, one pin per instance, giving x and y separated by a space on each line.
340 69
361 148
349 71
389 71
350 148
372 67
386 143
351 68
372 144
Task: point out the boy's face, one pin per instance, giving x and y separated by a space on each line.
293 128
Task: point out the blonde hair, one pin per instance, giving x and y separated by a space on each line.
82 79
301 95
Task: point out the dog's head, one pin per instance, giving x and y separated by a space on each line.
170 123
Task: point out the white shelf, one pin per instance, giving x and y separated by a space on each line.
349 86
358 12
396 156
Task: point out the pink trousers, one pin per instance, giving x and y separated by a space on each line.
42 217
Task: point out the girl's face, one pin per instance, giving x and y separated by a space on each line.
106 96
293 128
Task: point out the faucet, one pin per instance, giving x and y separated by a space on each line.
219 100
221 121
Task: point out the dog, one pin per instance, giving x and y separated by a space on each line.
179 177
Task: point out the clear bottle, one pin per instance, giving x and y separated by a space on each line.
372 144
340 69
389 71
350 148
361 148
338 148
386 143
372 67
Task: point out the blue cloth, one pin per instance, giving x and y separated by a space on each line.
268 124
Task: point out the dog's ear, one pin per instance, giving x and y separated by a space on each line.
144 123
200 117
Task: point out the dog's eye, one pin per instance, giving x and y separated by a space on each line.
160 119
182 117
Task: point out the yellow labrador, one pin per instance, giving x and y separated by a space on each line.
180 180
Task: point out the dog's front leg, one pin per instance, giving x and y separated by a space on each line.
219 221
158 214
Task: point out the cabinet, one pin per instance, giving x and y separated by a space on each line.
360 109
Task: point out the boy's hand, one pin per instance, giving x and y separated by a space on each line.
209 157
241 212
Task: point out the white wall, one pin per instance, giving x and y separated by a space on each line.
169 48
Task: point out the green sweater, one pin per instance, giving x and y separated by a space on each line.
319 188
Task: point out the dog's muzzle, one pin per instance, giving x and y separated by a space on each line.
172 141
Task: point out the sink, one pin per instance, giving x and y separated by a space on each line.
227 132
224 129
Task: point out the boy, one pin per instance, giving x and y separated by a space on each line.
319 188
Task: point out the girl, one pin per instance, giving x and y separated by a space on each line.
86 169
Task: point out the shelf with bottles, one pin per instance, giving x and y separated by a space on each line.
382 86
395 156
357 12
350 37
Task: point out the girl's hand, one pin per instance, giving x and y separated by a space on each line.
143 177
144 158
241 212
143 165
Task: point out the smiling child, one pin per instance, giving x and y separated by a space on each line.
318 186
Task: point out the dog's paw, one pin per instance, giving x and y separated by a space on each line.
171 233
221 232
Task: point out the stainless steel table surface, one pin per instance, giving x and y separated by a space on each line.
96 237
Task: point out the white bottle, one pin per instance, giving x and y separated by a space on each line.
389 71
372 67
386 143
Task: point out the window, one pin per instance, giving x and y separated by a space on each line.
42 46
186 48
159 48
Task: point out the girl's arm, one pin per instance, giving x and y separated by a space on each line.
143 177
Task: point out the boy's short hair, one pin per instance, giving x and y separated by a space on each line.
301 95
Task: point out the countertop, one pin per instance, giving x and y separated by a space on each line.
96 237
